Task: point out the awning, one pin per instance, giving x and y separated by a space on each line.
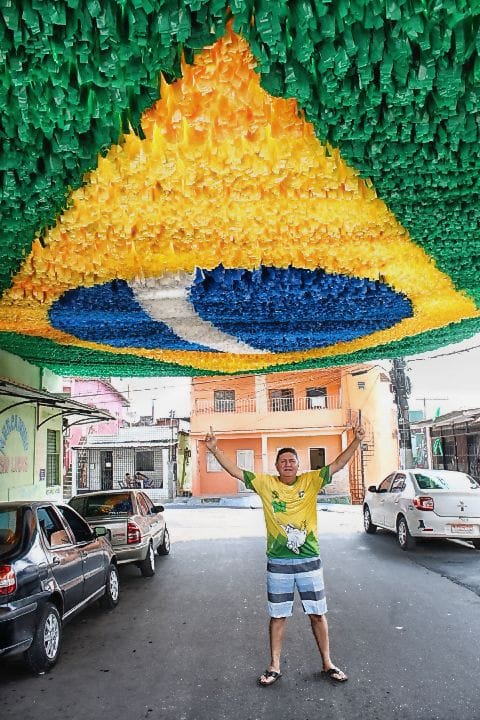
25 395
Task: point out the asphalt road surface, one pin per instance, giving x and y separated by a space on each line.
190 643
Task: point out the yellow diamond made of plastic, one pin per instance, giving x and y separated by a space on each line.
226 174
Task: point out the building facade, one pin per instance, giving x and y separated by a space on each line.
451 442
98 393
158 456
33 417
313 411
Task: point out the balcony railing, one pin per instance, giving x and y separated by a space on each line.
286 404
207 407
249 405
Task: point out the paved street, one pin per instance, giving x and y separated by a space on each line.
189 643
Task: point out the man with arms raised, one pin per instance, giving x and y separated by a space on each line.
290 509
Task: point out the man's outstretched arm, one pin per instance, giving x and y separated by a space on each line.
349 452
227 464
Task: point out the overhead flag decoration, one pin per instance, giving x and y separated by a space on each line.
184 191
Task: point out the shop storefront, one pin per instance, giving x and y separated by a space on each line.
31 440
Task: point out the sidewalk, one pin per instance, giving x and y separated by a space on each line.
334 503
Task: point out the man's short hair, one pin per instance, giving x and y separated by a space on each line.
285 450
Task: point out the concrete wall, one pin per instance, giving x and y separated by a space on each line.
379 414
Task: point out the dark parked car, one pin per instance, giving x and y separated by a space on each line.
52 565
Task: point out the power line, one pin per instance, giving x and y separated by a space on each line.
333 374
453 352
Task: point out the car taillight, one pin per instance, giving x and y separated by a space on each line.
423 503
133 533
8 580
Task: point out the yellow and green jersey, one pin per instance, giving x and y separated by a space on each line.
290 511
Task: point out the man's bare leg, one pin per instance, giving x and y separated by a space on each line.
320 632
277 633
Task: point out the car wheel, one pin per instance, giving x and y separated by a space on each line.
164 548
45 648
112 589
405 540
370 528
476 544
147 566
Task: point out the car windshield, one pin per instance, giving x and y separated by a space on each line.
455 481
11 525
105 505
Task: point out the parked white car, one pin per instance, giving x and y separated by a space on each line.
425 503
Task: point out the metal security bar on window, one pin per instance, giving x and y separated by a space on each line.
224 400
53 458
281 400
144 460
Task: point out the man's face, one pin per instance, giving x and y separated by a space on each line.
287 466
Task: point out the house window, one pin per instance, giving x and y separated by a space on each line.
361 385
316 397
245 459
145 460
281 400
212 463
224 400
317 458
53 458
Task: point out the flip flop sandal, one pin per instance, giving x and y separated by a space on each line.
269 674
331 672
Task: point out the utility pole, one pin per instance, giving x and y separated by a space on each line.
172 458
401 390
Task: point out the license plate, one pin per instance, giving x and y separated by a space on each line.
462 529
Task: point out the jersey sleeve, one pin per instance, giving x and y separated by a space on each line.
320 478
257 483
248 480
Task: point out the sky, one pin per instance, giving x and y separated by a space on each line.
447 378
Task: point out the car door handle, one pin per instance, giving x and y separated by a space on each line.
56 560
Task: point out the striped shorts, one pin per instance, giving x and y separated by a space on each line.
306 574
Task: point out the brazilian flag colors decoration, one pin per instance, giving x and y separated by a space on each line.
191 186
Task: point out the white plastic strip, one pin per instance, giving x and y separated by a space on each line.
165 299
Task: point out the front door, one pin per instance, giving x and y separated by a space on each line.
392 500
63 556
377 501
91 549
106 469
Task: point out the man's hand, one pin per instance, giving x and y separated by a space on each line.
211 440
359 433
347 454
211 444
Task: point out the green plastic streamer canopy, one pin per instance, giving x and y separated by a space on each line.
200 187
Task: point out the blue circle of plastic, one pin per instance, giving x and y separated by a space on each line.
273 309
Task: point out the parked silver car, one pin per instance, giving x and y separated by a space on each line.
425 503
136 526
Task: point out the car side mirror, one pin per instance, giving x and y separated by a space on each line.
372 488
158 509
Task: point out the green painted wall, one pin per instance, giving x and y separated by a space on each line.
23 447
